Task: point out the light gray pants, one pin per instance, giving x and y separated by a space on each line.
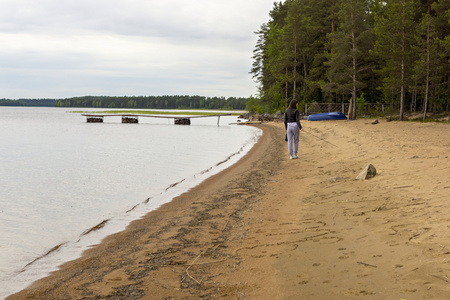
293 135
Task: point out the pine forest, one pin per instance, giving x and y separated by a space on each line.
360 52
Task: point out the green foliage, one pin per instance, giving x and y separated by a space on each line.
360 101
156 102
252 105
28 102
325 50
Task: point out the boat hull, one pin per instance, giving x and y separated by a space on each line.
327 116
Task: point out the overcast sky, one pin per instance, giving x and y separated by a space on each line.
67 48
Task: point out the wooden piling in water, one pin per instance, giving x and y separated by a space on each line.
182 121
94 119
130 120
133 118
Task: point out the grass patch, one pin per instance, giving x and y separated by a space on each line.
443 117
429 120
153 112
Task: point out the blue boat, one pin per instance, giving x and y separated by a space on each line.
327 116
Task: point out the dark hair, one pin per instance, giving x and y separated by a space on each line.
292 106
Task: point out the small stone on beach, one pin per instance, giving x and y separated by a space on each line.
367 173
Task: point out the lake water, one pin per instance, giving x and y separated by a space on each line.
61 176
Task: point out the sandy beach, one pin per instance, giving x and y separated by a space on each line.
273 228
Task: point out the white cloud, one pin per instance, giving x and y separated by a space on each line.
55 48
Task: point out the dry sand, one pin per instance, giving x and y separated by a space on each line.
274 228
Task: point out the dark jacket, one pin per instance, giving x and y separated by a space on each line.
292 117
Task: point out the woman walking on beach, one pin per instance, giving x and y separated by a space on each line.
293 127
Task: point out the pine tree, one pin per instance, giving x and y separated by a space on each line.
395 30
349 46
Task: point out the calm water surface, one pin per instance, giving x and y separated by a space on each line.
61 176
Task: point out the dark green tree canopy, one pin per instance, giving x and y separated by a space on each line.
394 52
154 102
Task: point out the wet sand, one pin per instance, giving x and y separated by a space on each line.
273 228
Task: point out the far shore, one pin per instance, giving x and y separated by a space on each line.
273 228
186 112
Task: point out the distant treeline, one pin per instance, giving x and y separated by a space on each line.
157 102
28 102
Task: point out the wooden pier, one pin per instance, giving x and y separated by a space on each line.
134 118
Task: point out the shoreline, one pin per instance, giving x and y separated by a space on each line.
46 257
168 218
273 228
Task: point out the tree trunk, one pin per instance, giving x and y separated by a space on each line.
294 71
402 88
287 85
427 80
350 110
305 77
354 65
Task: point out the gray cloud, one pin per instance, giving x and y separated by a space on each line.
53 48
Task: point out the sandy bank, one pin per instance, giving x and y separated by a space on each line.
274 228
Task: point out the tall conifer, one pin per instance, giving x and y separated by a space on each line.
349 46
395 29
